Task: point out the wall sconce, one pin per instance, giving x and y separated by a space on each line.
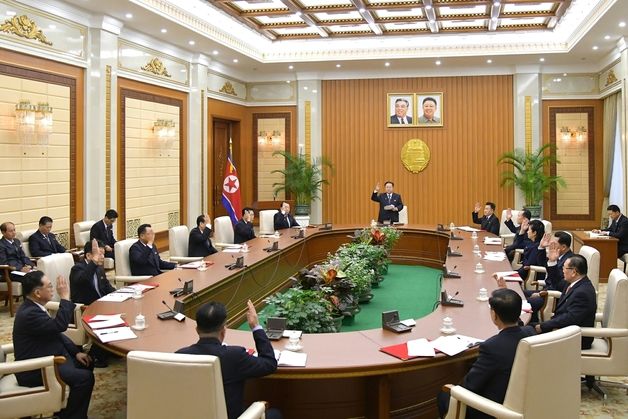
268 138
43 122
164 129
33 123
579 134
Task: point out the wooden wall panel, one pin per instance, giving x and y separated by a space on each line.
478 128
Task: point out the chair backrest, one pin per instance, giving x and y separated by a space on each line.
178 237
403 215
616 305
266 221
502 227
121 251
55 265
81 232
547 225
223 230
592 256
191 375
550 360
24 236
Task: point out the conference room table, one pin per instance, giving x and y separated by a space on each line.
346 375
606 245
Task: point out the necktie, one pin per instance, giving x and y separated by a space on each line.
96 285
403 121
48 240
389 196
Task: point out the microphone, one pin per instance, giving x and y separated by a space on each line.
450 301
170 314
177 291
452 297
166 304
452 236
450 274
452 252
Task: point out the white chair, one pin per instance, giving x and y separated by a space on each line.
592 256
267 221
223 232
9 289
178 239
145 376
76 329
547 225
55 265
403 215
24 237
81 236
624 259
17 401
504 232
123 264
549 360
608 355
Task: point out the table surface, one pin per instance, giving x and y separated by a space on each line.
333 353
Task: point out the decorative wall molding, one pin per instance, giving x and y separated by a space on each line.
157 67
24 27
152 64
610 77
228 89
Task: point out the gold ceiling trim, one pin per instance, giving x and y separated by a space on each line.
610 78
157 67
24 27
228 89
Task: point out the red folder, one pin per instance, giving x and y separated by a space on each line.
398 351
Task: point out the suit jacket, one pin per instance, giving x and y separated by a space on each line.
520 241
490 373
576 307
237 365
281 221
104 233
199 243
36 334
39 246
424 120
490 224
82 287
619 230
242 232
12 254
146 261
395 120
554 280
532 255
382 199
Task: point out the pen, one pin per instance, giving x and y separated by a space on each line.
107 333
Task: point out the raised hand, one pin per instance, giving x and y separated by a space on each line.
251 315
508 213
546 240
477 208
523 228
553 252
377 187
501 282
62 288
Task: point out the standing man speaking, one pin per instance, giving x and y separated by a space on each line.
389 203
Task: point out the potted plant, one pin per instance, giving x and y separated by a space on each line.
529 174
306 310
302 179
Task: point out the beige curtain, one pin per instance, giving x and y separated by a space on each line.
611 107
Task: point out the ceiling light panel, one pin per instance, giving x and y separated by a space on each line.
527 8
330 17
324 3
274 20
391 14
294 31
257 5
349 28
410 26
529 21
462 24
463 11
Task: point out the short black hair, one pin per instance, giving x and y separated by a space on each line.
539 228
579 263
506 304
30 281
142 229
283 202
389 181
45 220
490 204
111 214
200 219
88 246
563 238
613 208
526 214
429 98
402 100
211 317
4 226
245 209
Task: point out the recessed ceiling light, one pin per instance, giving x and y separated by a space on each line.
622 24
338 65
10 13
298 13
288 81
215 52
595 47
129 16
428 7
542 60
607 37
52 26
290 67
387 64
497 4
305 87
489 61
314 91
362 10
564 74
191 42
164 30
437 62
235 60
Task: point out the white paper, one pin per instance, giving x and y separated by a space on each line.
230 250
233 246
192 265
420 347
292 359
513 279
115 334
526 307
408 322
492 240
452 345
469 229
104 324
18 273
115 297
101 317
292 334
506 273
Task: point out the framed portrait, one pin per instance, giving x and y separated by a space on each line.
429 109
400 110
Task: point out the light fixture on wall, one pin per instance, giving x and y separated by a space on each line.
579 134
43 122
164 128
269 138
33 122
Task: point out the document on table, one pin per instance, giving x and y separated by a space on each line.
510 276
469 229
106 321
597 235
292 334
291 359
231 250
453 345
115 334
131 288
115 297
192 265
495 256
492 240
420 347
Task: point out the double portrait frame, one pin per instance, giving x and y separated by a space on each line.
414 110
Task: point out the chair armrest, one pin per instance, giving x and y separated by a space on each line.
599 317
185 259
7 348
551 293
54 306
255 411
604 332
7 268
539 269
507 235
30 364
483 404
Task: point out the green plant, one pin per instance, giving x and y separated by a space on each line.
358 272
306 310
529 172
301 178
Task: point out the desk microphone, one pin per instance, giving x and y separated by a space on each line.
453 236
450 301
170 314
450 274
177 291
453 252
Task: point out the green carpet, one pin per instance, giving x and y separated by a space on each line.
411 290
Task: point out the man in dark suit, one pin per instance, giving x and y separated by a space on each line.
144 256
103 232
389 203
243 230
235 363
617 229
283 219
521 232
533 254
43 242
199 243
401 112
88 281
11 252
489 221
578 302
36 334
490 373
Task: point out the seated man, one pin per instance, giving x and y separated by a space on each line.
578 302
43 242
11 252
617 229
283 219
243 230
235 363
36 334
103 232
490 373
144 256
489 221
88 281
521 232
199 243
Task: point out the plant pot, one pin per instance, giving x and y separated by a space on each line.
303 220
302 209
366 298
338 321
535 210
